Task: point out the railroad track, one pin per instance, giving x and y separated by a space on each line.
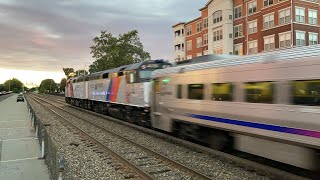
260 166
135 159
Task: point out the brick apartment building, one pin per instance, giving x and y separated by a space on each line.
248 26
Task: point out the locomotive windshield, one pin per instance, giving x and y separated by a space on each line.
146 70
145 74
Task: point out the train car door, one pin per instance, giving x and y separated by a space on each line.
160 119
156 115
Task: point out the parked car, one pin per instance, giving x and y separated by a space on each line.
20 98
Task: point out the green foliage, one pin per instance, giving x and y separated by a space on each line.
48 85
63 83
80 72
1 87
13 85
111 52
68 71
33 89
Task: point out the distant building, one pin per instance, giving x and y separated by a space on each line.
244 27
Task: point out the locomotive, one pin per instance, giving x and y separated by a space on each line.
266 104
122 92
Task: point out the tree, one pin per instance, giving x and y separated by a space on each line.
111 52
13 85
48 85
33 89
1 87
68 71
63 83
80 72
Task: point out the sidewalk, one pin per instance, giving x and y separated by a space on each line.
20 148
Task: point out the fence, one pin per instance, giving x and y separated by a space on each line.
49 151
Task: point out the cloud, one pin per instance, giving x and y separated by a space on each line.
48 35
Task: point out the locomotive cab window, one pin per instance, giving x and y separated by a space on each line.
222 92
196 91
179 91
259 92
306 92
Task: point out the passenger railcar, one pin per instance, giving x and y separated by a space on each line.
266 104
123 92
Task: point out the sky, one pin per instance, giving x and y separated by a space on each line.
40 37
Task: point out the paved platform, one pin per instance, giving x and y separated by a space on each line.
20 147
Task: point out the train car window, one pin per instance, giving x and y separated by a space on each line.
259 92
179 91
196 91
105 76
306 92
222 92
86 78
74 80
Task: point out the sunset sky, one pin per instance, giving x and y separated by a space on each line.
40 37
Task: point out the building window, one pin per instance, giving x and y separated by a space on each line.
252 27
182 46
199 42
313 38
237 12
217 35
238 49
238 31
189 30
253 47
218 51
205 39
300 38
252 7
196 91
313 17
222 92
268 21
259 92
285 40
199 26
189 45
205 23
300 14
284 16
267 3
269 43
217 16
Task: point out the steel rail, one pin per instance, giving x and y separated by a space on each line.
169 161
131 166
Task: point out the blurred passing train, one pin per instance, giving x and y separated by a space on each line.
265 104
